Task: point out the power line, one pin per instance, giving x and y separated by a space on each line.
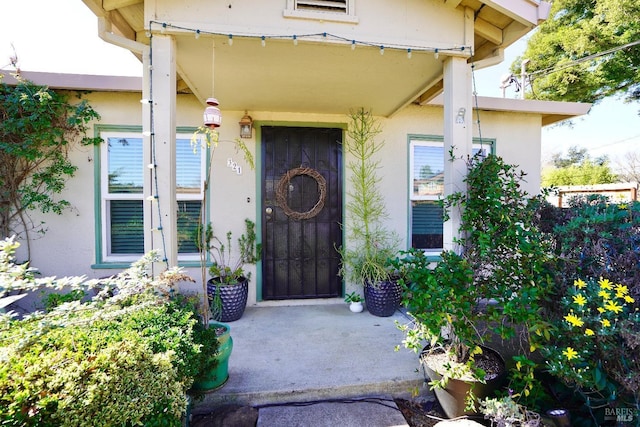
550 70
616 142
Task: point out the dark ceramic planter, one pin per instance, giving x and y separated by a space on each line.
452 397
382 298
233 297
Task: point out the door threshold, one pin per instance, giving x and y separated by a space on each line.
296 302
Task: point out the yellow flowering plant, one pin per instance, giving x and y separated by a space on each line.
595 344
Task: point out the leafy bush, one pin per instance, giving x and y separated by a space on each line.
595 346
125 358
596 326
39 128
494 285
596 238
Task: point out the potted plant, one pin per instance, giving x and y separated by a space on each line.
494 284
223 268
366 259
213 370
355 302
228 287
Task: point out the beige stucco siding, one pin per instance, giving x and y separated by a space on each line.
375 21
68 246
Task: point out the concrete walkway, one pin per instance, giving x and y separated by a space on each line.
286 355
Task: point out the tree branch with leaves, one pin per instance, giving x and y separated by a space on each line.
39 127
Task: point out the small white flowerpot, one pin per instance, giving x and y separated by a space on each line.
356 307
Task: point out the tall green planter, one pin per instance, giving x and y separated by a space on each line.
218 376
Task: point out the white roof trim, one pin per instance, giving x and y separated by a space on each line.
551 111
528 12
78 81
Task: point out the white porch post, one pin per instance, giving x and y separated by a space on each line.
458 135
163 147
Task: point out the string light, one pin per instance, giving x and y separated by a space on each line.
197 34
455 50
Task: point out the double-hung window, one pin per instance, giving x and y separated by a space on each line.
426 188
123 198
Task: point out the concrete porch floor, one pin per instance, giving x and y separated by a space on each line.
305 353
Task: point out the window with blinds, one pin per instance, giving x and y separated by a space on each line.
123 196
426 185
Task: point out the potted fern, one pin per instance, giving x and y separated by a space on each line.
366 260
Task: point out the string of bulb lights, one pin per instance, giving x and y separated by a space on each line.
163 27
154 198
295 38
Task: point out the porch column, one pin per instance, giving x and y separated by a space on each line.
149 191
163 146
458 136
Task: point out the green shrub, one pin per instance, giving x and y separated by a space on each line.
597 243
53 300
125 358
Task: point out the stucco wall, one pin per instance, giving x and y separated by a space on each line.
68 246
400 21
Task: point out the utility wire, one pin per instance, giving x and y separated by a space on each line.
553 69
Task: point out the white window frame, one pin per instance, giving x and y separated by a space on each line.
294 9
105 197
432 141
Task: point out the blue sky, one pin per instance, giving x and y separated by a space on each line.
61 36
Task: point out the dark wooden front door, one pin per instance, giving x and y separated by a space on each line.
302 212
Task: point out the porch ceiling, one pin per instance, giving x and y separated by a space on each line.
310 77
317 77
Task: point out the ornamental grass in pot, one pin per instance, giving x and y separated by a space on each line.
490 288
365 261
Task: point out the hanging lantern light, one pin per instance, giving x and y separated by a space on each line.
246 126
212 115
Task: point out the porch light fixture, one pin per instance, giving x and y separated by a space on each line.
246 126
460 115
212 116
